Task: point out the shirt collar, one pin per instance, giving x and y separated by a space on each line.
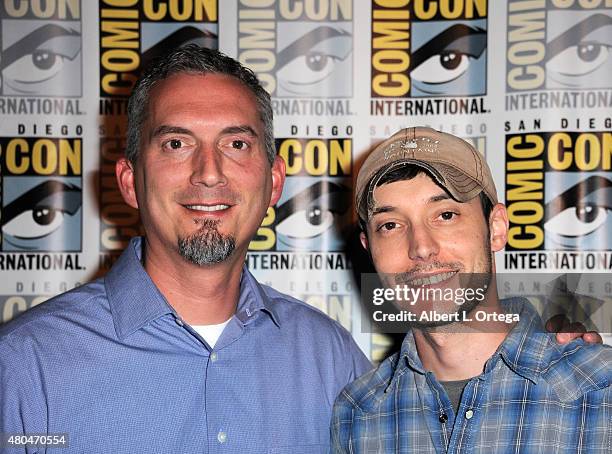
253 299
135 300
525 349
408 358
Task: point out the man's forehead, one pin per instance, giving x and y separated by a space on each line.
402 189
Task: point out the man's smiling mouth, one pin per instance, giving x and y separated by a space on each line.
209 208
431 279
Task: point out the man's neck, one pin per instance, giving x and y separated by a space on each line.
201 295
459 351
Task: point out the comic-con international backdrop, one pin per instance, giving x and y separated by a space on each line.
526 81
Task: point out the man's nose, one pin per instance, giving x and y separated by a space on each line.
422 242
208 167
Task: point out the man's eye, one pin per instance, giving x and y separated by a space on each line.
239 144
387 226
174 144
447 215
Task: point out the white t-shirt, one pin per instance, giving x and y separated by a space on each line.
211 333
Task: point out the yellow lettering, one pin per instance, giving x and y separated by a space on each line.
526 53
290 150
17 161
391 61
316 159
606 151
534 234
115 85
13 10
340 157
179 15
391 84
155 14
559 156
120 34
392 3
266 233
44 157
529 186
117 239
527 26
517 149
118 60
13 306
259 35
534 212
70 156
421 12
526 78
392 36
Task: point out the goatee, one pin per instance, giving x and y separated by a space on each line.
206 246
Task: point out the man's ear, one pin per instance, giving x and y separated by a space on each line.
498 227
364 240
124 171
278 179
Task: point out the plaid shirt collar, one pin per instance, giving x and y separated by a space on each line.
528 350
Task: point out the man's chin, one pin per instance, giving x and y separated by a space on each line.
206 247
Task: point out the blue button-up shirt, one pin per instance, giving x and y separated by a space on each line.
113 366
534 396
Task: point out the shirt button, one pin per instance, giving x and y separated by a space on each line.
443 418
213 358
221 437
469 414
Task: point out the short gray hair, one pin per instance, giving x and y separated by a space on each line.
193 59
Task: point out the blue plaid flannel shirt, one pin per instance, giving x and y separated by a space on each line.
534 396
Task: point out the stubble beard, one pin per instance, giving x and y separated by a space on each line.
206 246
479 279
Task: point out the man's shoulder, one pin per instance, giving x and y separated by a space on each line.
368 391
576 368
72 304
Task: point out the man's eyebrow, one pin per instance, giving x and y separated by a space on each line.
166 129
390 208
382 209
573 35
242 129
439 198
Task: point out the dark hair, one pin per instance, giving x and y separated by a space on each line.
408 172
193 59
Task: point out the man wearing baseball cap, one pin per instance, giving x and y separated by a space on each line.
475 374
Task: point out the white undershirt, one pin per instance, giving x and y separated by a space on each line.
210 333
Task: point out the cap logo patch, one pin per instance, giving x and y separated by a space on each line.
402 148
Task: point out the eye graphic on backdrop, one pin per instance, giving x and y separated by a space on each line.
580 216
310 214
314 64
39 59
447 63
582 55
39 217
181 37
